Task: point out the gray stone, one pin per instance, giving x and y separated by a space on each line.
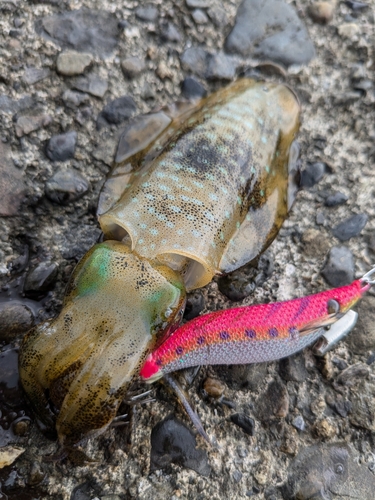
218 16
293 368
335 199
65 186
118 110
15 318
170 33
273 403
195 59
199 16
148 13
73 99
221 67
362 338
12 186
62 147
72 63
84 30
328 471
8 105
271 30
312 174
30 122
299 423
246 423
192 89
132 66
350 227
363 410
338 269
41 279
34 75
198 4
92 84
242 377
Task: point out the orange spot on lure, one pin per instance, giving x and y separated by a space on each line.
253 334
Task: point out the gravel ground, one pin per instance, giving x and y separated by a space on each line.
305 426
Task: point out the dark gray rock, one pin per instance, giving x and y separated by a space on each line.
62 147
335 199
221 67
148 13
242 377
195 59
65 186
198 4
92 84
15 318
118 110
77 240
299 423
356 5
194 304
353 374
363 410
271 30
246 423
362 338
218 15
41 279
350 227
173 443
170 33
32 121
192 89
12 186
328 471
273 403
236 286
199 16
338 269
343 408
132 67
35 75
73 99
312 174
84 30
293 368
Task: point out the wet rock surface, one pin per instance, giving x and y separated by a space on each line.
289 405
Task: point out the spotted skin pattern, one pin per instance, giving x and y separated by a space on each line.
250 334
206 193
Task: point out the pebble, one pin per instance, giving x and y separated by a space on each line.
118 110
163 71
353 374
338 269
198 4
28 123
343 408
322 12
173 442
221 67
349 30
195 59
242 377
325 428
40 279
299 423
213 387
36 474
71 62
15 318
192 89
199 16
293 368
270 30
66 186
12 186
9 454
170 33
92 84
326 468
132 67
218 15
236 286
148 13
312 174
362 339
363 411
8 105
314 243
195 304
72 98
62 147
356 5
246 423
83 30
35 75
350 227
336 198
274 402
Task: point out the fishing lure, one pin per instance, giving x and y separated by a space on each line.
253 334
196 190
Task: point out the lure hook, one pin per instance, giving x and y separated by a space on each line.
367 277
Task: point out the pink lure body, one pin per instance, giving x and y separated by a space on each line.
251 334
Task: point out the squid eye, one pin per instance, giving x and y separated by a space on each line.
333 307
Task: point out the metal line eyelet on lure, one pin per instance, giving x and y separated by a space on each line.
366 277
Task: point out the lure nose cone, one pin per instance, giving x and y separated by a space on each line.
150 371
77 368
